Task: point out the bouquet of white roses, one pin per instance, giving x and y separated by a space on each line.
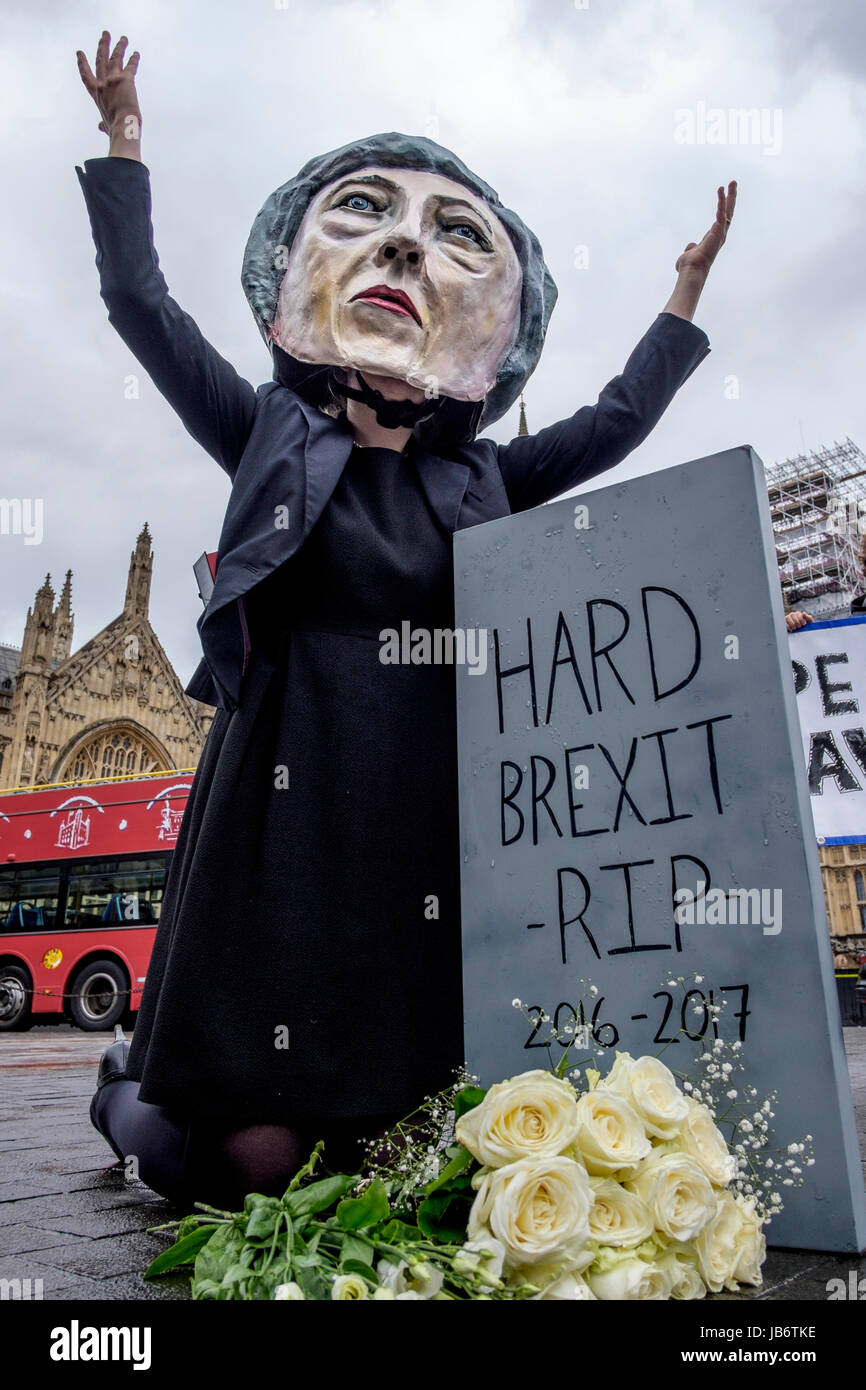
615 1188
620 1192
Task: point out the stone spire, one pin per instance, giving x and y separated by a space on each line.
137 598
64 623
38 642
521 428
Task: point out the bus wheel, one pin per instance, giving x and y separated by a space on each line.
100 994
15 991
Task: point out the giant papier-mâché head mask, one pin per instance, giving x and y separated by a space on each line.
390 256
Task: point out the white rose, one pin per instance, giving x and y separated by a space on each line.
421 1279
617 1216
652 1092
292 1292
538 1208
703 1141
686 1282
545 1273
732 1247
349 1286
629 1280
531 1116
392 1276
484 1257
611 1135
678 1194
750 1243
569 1286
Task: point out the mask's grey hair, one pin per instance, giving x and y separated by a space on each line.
277 223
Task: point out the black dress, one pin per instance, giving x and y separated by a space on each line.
307 963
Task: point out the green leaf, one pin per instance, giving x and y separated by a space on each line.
310 1280
359 1267
455 1167
219 1252
444 1216
262 1220
358 1248
467 1099
183 1252
205 1288
312 1236
397 1231
354 1213
318 1196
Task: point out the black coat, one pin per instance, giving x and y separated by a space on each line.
283 453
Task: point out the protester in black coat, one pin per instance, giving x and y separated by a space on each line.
301 909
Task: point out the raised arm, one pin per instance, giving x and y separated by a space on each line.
214 402
537 467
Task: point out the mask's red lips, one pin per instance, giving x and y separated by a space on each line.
397 301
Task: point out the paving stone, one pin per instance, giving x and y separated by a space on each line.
69 1216
106 1223
47 1208
128 1288
53 1278
109 1257
24 1237
781 1265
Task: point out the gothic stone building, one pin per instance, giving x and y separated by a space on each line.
114 707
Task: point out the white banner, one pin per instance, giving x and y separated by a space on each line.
829 661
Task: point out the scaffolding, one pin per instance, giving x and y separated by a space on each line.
818 510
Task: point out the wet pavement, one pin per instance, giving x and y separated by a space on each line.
71 1218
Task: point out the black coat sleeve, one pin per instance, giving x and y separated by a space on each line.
216 405
537 467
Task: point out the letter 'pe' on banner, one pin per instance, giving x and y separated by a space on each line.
829 669
635 737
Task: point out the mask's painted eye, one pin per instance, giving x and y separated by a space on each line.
467 232
358 202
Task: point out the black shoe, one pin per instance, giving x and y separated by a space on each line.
112 1063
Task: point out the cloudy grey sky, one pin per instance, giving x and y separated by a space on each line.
569 109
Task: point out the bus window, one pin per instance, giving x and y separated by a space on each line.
28 897
119 892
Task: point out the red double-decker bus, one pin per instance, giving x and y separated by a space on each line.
82 876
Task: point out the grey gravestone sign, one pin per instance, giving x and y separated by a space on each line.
634 734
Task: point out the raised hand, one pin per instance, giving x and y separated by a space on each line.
699 255
693 266
113 90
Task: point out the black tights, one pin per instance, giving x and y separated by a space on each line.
209 1161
